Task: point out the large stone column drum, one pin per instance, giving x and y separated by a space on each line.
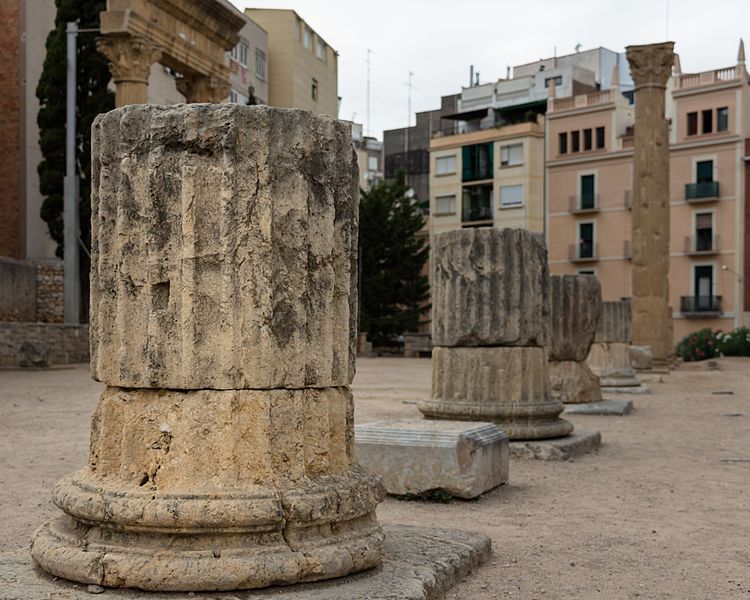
575 310
223 321
491 331
609 357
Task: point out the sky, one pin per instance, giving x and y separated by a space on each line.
438 40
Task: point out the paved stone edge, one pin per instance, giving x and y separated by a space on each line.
605 408
420 563
576 444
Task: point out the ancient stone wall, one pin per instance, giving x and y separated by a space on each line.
49 292
18 289
41 344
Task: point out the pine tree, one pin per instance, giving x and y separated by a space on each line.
92 97
393 291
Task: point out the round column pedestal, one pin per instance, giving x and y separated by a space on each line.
573 382
610 361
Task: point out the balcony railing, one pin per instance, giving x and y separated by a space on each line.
702 245
583 252
689 80
700 306
584 204
706 190
472 213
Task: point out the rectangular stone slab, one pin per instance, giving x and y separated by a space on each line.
414 456
418 563
224 247
618 408
576 444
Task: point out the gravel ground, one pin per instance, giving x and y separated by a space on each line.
655 514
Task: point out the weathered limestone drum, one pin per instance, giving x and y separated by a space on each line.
575 310
609 357
491 331
223 321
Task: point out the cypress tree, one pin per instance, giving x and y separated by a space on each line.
93 97
394 292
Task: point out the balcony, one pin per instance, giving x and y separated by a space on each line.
691 80
702 245
696 307
703 191
583 252
584 204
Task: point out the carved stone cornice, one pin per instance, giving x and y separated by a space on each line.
130 58
203 88
651 64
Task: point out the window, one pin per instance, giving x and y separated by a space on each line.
314 89
239 53
703 285
476 204
599 138
692 123
722 119
445 165
563 142
707 121
588 196
260 64
445 205
587 142
557 80
320 49
372 163
704 231
585 272
575 141
704 171
306 36
511 195
585 240
511 155
477 162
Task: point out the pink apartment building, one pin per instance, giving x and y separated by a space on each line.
589 182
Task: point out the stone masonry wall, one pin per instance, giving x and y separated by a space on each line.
51 343
49 292
17 290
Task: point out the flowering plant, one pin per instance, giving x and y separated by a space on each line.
700 345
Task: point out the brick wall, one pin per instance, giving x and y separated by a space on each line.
49 292
10 129
41 344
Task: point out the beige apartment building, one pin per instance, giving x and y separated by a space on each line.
589 183
305 67
488 177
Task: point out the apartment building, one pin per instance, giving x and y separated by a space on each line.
589 183
248 65
305 66
488 170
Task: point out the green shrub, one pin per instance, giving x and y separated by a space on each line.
735 343
700 345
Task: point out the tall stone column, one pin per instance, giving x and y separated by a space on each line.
490 331
223 321
130 59
575 310
652 316
203 88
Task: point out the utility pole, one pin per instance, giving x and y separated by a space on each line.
71 272
367 124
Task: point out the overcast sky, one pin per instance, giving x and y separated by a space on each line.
438 39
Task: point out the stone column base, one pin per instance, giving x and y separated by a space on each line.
215 490
610 361
573 382
508 386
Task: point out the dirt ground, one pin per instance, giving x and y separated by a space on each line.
655 514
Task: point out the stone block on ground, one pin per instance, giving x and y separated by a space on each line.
415 456
639 388
610 362
573 382
608 407
508 386
224 246
418 563
615 322
576 444
490 287
575 309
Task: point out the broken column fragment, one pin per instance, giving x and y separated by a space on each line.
575 309
223 302
491 332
